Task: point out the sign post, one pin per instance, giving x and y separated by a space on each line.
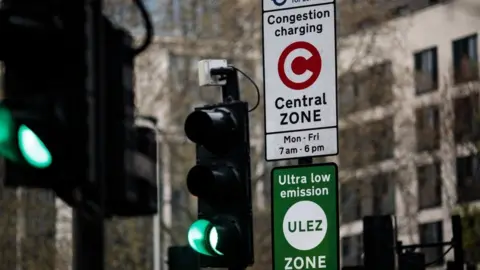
305 217
299 52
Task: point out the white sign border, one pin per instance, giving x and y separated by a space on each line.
334 2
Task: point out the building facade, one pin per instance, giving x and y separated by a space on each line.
409 126
407 118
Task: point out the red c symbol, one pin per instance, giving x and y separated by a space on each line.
300 65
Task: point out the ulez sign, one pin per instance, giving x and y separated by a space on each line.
305 217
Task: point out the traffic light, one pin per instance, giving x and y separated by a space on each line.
182 258
45 115
223 233
132 150
411 261
458 252
42 117
142 175
378 243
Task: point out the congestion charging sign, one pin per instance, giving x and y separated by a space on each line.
305 227
299 61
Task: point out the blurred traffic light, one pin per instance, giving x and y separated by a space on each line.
221 180
20 144
46 114
141 174
378 243
43 115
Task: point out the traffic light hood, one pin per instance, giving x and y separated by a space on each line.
19 142
215 129
217 237
214 183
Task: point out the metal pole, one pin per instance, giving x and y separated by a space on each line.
305 161
157 230
89 232
231 89
458 252
89 242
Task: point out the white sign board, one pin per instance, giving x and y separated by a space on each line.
300 78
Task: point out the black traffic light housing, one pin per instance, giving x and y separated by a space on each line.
43 91
379 242
411 261
182 258
142 174
221 179
44 52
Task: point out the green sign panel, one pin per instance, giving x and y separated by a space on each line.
305 217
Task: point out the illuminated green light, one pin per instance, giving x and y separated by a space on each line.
33 149
5 125
197 236
213 240
7 137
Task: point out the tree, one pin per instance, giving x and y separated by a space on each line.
470 231
195 29
8 228
129 244
27 224
465 126
371 170
169 84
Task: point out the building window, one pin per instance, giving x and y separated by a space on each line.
465 59
401 10
426 71
209 19
380 140
429 186
432 233
361 197
353 148
350 205
367 143
183 72
383 190
468 184
350 93
380 83
467 119
428 128
367 88
366 23
352 250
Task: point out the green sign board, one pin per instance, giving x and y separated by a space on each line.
305 217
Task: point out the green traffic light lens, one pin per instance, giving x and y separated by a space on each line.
33 149
8 149
197 236
5 125
213 240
